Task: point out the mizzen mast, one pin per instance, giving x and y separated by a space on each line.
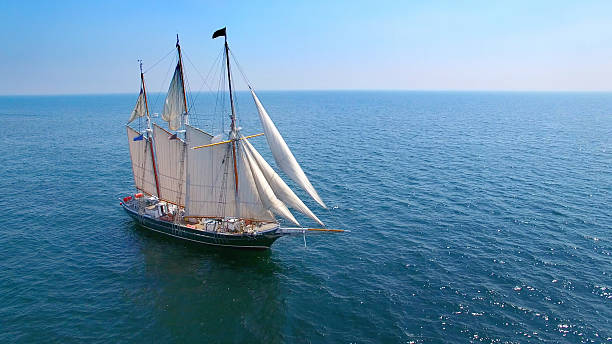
149 129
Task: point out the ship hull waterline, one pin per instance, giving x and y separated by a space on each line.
259 241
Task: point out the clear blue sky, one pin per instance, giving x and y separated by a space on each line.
67 47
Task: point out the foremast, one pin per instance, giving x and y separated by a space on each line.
234 132
262 192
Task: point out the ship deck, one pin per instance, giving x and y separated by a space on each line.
261 238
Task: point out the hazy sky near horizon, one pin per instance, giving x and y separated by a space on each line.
73 47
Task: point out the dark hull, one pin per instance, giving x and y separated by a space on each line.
250 241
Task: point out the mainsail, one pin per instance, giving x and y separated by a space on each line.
139 109
174 106
282 155
171 171
142 162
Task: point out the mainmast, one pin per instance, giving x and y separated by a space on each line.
149 129
178 47
185 122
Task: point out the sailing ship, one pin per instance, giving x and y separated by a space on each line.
206 189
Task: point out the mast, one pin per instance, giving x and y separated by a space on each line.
149 130
229 81
185 122
178 47
234 134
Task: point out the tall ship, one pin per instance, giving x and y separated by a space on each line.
214 190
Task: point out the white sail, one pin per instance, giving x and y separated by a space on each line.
282 155
266 193
250 203
171 171
278 185
211 184
206 188
174 106
142 162
139 109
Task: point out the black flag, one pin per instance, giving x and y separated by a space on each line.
218 33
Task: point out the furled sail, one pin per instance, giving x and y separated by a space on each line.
278 185
282 155
264 189
139 109
142 162
174 107
171 173
211 184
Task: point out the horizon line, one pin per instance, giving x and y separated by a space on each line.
320 90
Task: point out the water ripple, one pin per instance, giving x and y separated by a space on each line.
475 217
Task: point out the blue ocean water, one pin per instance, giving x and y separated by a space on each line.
475 217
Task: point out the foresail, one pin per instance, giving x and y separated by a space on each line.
278 185
170 159
264 189
139 109
211 185
174 106
142 162
282 155
251 206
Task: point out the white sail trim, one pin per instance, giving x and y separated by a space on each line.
169 158
139 109
174 106
266 193
282 155
142 162
278 185
211 184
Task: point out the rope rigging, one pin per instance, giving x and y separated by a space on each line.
159 94
244 77
158 61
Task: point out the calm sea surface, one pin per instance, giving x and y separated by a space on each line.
483 217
